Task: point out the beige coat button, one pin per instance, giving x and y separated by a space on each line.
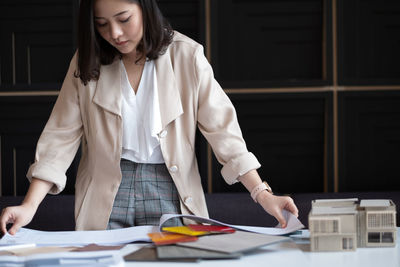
163 133
173 168
188 200
114 187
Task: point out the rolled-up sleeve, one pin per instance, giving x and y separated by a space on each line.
218 123
61 136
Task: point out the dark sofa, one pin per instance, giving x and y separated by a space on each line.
57 212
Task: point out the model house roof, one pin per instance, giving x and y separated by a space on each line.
334 206
375 203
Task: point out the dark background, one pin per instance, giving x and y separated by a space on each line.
316 85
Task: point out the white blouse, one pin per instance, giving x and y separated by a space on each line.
141 117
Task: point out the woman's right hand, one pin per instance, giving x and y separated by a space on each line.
19 216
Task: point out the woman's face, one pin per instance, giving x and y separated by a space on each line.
120 23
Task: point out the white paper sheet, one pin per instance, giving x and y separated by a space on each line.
293 224
16 246
79 238
92 258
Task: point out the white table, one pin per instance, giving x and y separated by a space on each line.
297 253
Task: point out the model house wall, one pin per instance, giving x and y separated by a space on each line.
377 223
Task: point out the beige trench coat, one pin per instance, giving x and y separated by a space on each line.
91 115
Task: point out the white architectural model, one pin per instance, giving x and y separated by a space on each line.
344 225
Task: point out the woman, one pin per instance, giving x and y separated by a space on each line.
133 97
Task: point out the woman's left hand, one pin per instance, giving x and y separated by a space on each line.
275 204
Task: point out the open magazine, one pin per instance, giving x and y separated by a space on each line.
293 224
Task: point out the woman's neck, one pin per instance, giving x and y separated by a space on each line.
133 57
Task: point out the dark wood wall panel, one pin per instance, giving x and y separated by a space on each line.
370 141
42 51
254 44
22 119
265 43
17 154
286 133
369 41
37 43
186 16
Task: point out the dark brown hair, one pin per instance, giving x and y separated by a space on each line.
94 51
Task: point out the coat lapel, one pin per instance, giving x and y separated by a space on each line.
168 92
108 89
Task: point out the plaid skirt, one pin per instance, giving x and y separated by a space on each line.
146 192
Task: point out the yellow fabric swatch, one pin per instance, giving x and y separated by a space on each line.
184 230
